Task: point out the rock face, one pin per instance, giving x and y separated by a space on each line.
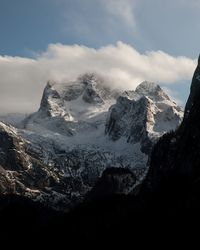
13 159
81 129
175 160
12 152
24 175
143 116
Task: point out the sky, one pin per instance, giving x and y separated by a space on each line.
128 41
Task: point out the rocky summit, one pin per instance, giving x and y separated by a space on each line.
82 128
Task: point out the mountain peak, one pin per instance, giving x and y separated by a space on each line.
152 90
194 90
142 116
150 86
90 78
71 100
50 84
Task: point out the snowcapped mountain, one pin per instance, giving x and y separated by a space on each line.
81 129
142 116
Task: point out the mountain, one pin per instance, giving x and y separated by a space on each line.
24 175
142 116
81 129
174 163
164 207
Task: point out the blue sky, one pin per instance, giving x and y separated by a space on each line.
28 27
171 26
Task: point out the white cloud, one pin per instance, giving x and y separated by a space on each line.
22 80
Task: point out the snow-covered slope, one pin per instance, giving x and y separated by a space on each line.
84 127
73 117
72 108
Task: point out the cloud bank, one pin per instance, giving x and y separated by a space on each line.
23 79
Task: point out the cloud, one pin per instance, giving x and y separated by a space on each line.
124 9
23 79
97 22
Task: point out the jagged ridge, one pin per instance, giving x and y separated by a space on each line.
83 128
